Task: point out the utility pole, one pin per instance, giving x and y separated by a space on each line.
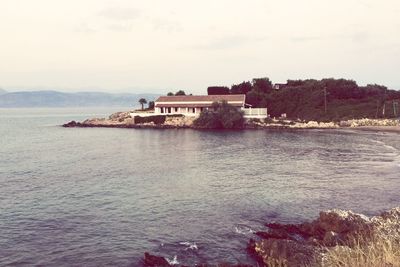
326 106
383 110
384 103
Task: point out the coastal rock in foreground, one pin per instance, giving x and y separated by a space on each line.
336 236
155 261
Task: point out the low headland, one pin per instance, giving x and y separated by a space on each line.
335 238
136 119
297 104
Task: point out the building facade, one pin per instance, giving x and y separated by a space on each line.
194 105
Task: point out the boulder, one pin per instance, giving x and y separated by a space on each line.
155 261
280 252
71 124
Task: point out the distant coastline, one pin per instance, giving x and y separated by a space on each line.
51 99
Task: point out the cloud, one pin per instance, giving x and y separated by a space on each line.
120 27
169 26
359 37
85 28
120 14
228 42
300 39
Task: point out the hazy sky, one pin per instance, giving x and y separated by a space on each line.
158 45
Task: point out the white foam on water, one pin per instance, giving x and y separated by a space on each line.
174 261
243 230
192 246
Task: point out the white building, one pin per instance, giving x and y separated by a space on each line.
194 105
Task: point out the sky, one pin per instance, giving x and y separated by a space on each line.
155 46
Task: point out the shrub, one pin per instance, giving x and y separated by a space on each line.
220 116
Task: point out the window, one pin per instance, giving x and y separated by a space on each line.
176 109
194 110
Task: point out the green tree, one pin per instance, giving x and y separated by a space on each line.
221 115
218 90
180 92
242 88
151 105
170 94
262 85
256 99
142 101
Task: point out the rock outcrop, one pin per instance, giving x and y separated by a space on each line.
289 124
180 122
155 261
335 232
119 119
370 122
308 244
127 120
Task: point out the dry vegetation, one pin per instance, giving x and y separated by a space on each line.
379 253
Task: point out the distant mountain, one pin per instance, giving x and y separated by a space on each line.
60 99
2 91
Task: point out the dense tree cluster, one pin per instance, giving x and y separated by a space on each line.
180 92
220 116
326 99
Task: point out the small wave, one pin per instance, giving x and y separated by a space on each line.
383 144
243 230
174 261
192 246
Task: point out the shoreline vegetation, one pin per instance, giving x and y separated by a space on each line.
336 238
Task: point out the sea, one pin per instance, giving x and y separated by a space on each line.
104 197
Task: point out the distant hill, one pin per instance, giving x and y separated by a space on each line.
60 99
2 91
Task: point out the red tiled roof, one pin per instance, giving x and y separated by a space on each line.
202 98
199 105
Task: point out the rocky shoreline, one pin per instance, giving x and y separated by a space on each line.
138 120
335 238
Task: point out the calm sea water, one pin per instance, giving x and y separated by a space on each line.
102 197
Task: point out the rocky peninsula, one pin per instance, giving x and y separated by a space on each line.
135 119
335 238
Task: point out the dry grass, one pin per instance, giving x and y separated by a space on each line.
379 253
